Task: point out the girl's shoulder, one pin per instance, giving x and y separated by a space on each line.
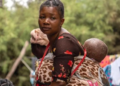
70 37
68 41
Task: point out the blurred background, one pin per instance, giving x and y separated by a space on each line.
83 18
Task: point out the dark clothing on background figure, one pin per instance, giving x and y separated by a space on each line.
5 82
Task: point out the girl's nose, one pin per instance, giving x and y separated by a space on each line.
47 20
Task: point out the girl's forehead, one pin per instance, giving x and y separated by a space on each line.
49 9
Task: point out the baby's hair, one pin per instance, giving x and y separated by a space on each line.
96 49
56 3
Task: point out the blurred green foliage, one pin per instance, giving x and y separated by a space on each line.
83 18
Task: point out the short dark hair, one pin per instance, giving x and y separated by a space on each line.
56 3
5 82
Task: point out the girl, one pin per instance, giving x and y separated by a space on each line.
62 47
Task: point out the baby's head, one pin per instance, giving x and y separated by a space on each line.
96 49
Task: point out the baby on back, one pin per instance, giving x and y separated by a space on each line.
90 73
96 49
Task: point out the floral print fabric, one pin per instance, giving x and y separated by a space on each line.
65 49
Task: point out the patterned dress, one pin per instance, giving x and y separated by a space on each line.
58 63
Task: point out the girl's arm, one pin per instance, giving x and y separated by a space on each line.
38 50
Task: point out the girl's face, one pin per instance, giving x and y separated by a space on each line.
50 21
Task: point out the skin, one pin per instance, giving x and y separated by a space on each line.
97 49
50 24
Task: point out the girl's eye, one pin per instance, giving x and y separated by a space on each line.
41 17
53 18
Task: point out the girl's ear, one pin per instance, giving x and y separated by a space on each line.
62 21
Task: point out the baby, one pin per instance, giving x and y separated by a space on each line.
90 73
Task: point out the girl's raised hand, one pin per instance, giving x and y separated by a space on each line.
38 37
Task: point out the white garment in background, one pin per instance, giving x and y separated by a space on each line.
115 72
